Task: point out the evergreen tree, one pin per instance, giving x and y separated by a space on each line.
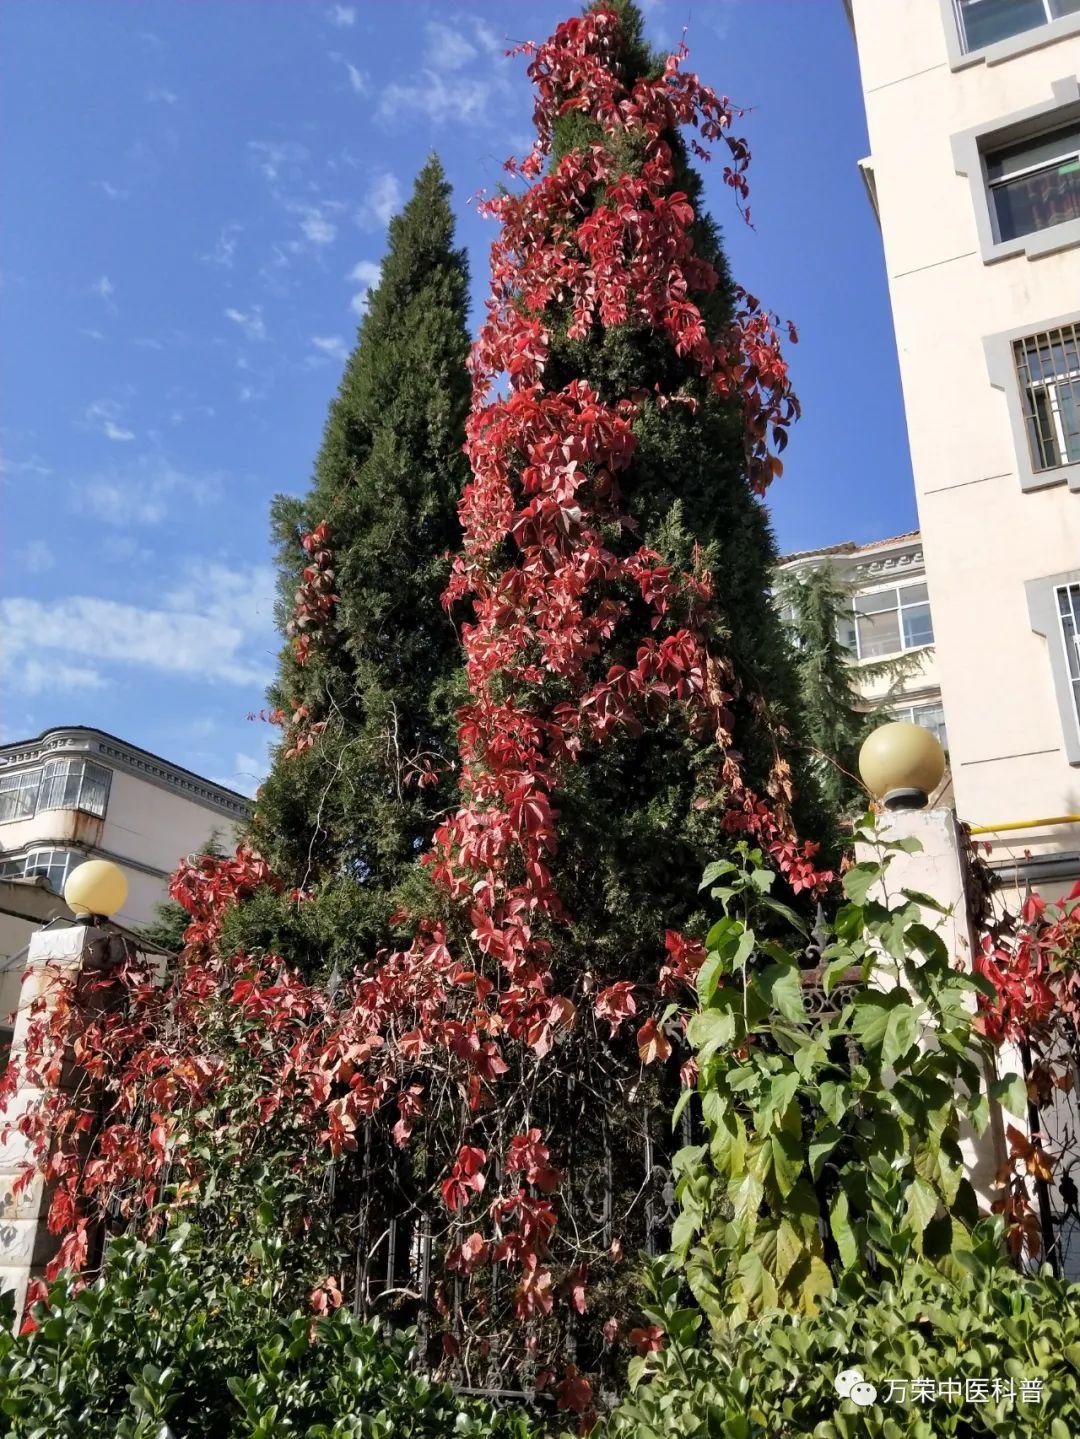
836 716
368 692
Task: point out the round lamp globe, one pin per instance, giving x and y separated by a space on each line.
97 886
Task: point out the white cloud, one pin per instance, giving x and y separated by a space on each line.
366 274
35 677
275 156
38 557
382 201
343 16
104 289
357 79
318 229
333 346
140 493
214 627
157 94
113 191
224 251
447 49
92 334
104 416
457 100
251 322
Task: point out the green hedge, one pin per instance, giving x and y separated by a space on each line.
165 1338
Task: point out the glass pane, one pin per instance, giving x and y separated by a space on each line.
879 634
18 795
845 631
986 21
874 604
1042 432
931 717
1068 400
1042 198
914 595
918 627
94 789
1069 609
1058 8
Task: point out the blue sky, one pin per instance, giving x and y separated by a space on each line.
195 199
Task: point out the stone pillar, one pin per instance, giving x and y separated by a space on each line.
25 1244
939 871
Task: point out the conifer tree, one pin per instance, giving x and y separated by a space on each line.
367 679
837 717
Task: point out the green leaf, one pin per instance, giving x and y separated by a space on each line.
900 1030
715 871
710 1030
781 987
860 879
1011 1093
785 1152
840 1225
921 1203
708 977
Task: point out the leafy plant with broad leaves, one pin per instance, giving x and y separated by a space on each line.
831 1140
775 1377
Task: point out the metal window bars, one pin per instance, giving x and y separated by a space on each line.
1048 372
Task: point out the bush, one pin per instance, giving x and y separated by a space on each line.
776 1377
167 1338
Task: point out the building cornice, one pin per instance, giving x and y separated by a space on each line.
118 754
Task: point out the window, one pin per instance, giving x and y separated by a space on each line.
985 22
1035 183
888 622
1068 604
18 794
53 865
1048 369
74 784
930 716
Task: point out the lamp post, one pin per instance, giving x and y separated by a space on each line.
95 889
902 764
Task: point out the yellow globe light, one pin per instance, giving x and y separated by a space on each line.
901 764
97 886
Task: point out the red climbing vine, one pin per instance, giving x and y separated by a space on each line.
453 1034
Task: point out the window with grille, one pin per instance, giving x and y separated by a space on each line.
985 22
1048 372
1035 183
1068 605
74 784
18 794
888 622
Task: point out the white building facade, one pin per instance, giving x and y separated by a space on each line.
73 794
973 112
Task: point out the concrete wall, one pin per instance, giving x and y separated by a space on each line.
985 538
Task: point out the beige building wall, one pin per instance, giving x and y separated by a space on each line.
997 537
154 813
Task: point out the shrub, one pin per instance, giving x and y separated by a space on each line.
776 1377
168 1340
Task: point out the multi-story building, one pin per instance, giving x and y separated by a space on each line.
889 620
75 794
973 112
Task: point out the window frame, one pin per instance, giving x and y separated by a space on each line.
897 609
1045 616
999 51
33 776
970 149
1001 369
63 768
